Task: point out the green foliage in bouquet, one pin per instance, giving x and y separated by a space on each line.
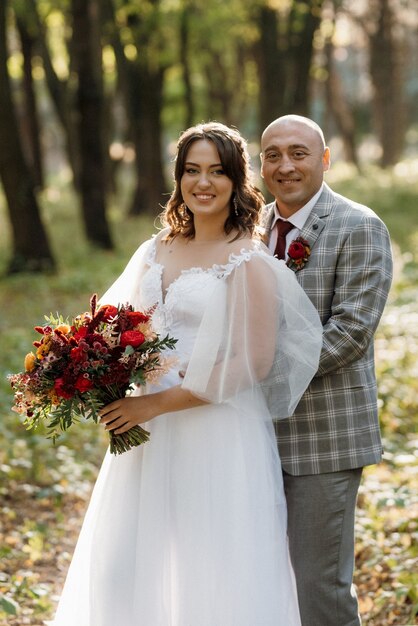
82 365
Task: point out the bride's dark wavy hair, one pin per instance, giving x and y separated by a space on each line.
235 160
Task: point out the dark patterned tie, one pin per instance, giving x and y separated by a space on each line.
282 229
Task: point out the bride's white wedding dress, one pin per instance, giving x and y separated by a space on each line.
188 529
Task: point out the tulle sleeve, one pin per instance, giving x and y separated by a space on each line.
259 331
126 287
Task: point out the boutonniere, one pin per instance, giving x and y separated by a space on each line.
298 253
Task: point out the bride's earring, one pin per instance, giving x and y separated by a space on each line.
235 203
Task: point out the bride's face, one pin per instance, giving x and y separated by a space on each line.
205 188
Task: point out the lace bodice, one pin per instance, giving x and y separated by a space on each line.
179 311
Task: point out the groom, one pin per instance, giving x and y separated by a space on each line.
344 264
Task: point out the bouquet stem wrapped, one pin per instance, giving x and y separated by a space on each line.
82 365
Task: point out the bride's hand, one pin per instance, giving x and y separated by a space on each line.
121 415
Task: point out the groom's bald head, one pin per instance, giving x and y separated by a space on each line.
288 120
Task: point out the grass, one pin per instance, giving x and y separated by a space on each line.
44 489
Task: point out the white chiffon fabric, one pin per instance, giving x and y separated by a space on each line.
189 529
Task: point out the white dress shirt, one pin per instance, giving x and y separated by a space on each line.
298 220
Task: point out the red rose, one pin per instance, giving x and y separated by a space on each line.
61 389
81 332
110 312
132 338
296 250
136 317
299 252
78 355
83 384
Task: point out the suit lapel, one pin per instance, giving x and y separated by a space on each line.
316 220
267 221
317 217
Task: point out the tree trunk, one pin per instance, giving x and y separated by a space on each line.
31 251
271 68
145 99
30 122
87 58
387 77
58 90
302 27
141 83
220 99
185 63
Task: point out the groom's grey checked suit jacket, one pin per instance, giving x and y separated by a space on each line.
347 277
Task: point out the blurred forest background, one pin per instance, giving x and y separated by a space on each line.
93 97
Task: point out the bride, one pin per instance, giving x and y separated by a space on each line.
189 529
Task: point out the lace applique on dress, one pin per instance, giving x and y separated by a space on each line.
190 284
234 261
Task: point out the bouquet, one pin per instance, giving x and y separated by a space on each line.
81 366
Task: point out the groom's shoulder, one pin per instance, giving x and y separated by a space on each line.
269 207
351 208
266 216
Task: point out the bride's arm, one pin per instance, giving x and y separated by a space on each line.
236 342
123 414
259 329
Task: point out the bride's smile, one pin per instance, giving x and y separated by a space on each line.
205 187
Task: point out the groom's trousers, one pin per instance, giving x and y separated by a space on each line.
321 511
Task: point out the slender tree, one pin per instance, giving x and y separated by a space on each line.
184 37
284 52
304 20
386 72
86 48
31 251
59 90
271 63
31 120
381 22
146 103
141 78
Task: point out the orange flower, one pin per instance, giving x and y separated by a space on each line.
30 360
63 328
44 348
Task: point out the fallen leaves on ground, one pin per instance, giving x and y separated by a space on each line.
39 528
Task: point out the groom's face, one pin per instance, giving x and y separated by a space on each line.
294 160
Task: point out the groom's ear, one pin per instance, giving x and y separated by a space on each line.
326 159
